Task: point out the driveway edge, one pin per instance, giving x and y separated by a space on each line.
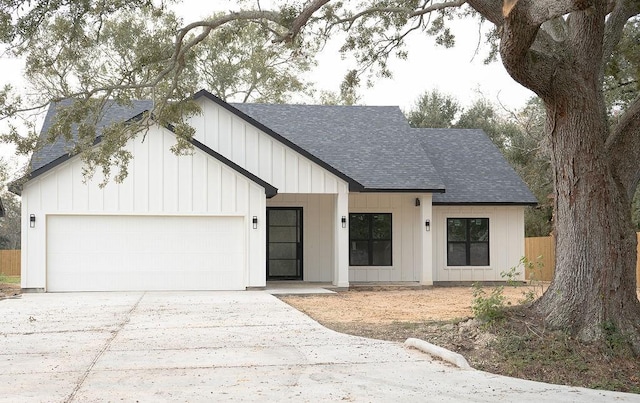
440 352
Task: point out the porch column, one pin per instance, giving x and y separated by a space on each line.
426 239
341 239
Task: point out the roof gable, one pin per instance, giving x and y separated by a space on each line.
49 156
112 113
371 144
354 185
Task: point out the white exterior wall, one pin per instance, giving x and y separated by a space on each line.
292 174
159 183
317 233
408 236
261 154
506 241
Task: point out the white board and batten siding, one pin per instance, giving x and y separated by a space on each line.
407 224
163 195
506 242
261 154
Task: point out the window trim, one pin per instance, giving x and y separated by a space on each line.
370 239
467 242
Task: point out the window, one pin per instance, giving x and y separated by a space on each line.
467 242
370 239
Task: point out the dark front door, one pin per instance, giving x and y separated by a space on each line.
284 243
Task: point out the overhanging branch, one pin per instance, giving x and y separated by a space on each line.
409 12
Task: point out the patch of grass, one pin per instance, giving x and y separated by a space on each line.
9 279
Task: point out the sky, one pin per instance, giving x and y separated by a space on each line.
458 71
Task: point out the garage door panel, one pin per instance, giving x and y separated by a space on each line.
127 253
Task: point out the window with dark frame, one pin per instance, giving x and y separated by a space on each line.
370 239
467 242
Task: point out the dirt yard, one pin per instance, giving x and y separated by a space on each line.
393 306
8 290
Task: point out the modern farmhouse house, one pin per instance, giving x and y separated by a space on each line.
338 194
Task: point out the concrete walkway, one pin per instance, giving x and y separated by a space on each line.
222 346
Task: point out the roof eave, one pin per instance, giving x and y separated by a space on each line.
270 191
499 203
16 186
397 190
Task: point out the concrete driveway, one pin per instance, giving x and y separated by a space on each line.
221 346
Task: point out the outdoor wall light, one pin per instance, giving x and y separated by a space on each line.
344 222
32 221
427 225
417 202
255 222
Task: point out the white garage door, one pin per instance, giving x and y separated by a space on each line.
130 253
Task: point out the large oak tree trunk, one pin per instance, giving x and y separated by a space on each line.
593 293
594 289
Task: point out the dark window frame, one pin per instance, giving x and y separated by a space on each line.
370 239
468 242
299 247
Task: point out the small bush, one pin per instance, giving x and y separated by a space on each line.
488 308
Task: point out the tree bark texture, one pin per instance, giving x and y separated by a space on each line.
593 292
594 286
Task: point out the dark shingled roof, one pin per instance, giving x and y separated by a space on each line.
113 113
371 144
472 168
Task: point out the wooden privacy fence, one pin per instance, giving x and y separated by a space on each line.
10 262
543 246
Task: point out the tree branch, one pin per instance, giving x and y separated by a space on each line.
623 147
620 14
409 12
526 51
301 20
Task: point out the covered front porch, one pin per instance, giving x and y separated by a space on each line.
307 237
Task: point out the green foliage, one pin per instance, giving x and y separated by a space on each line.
488 308
622 73
491 307
10 223
615 341
102 52
536 288
512 276
433 109
238 62
376 30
